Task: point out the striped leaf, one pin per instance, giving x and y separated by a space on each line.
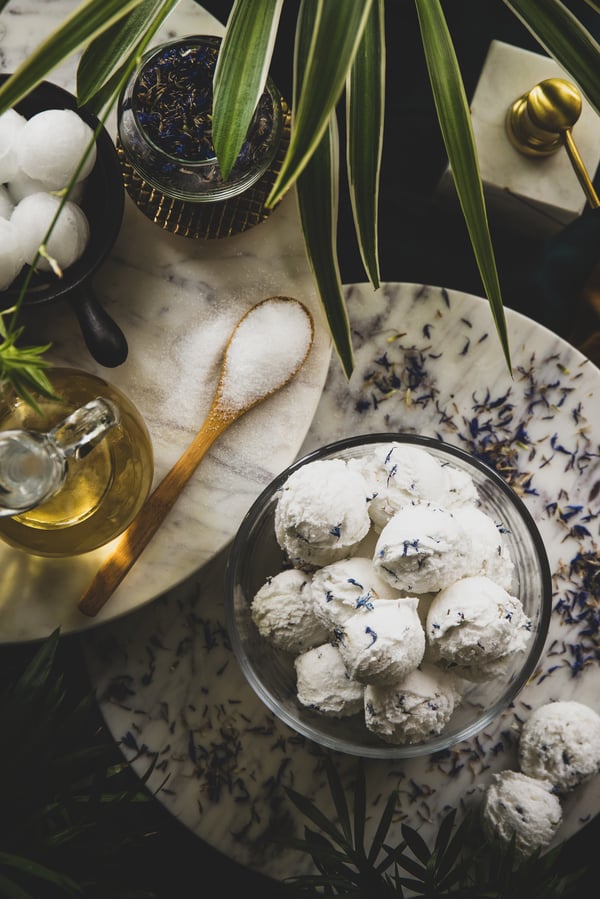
564 38
365 110
90 19
455 122
334 29
101 58
317 191
241 73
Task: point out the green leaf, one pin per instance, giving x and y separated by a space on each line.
443 835
102 56
318 204
331 31
23 368
40 872
565 38
10 890
241 73
338 795
360 810
382 829
38 671
310 811
415 843
365 111
88 20
317 193
455 123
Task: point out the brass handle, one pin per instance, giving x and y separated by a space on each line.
541 121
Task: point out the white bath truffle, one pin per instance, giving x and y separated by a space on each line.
560 741
33 216
523 806
459 488
422 549
342 588
489 555
51 145
11 126
414 709
283 612
11 253
473 624
6 203
384 643
398 474
22 186
323 684
321 513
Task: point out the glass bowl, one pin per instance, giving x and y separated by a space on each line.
164 124
255 555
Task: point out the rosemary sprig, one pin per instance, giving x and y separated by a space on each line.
23 368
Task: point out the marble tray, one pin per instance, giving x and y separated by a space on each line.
176 300
427 361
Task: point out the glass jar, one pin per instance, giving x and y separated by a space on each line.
73 477
165 124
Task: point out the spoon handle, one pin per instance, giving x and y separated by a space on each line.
148 520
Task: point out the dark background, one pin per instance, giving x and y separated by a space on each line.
418 243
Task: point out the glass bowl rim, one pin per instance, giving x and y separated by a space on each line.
389 750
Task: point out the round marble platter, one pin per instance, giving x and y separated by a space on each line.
177 301
427 361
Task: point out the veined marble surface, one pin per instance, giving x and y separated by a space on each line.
427 361
177 301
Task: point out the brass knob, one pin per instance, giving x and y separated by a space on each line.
541 121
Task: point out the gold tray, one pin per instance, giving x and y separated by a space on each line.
217 219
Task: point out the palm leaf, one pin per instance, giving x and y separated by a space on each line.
40 872
101 57
86 22
310 811
365 136
241 73
10 890
564 37
383 827
339 796
415 843
360 810
455 123
333 30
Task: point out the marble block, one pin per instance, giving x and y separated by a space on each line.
541 193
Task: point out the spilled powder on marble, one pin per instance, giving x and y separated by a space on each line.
268 346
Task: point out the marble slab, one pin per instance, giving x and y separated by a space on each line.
531 193
177 300
427 361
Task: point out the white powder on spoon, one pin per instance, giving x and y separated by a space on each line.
266 349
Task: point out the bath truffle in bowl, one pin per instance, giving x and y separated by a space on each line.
473 625
321 514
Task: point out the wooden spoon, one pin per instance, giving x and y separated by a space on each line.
265 350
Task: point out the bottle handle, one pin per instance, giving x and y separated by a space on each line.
84 428
34 464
